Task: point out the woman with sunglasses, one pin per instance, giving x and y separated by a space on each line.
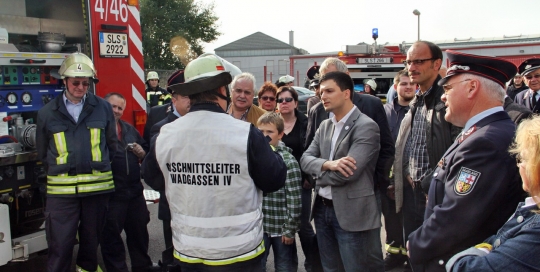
267 96
294 138
516 246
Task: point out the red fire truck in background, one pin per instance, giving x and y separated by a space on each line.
377 62
35 37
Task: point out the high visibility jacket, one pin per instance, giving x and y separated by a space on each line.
215 207
157 96
77 155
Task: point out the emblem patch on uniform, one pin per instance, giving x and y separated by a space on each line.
467 178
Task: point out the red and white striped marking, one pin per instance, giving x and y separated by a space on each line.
136 58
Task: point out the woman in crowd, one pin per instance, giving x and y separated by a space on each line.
294 138
516 246
267 96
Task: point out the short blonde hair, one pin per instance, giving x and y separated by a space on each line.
527 142
272 118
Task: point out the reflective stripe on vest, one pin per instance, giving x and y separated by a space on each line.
61 148
95 134
244 257
63 184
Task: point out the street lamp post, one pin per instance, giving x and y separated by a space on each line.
417 13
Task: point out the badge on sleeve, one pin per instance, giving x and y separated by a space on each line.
467 178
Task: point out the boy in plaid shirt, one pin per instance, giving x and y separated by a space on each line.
281 209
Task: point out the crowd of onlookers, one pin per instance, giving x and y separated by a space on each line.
437 162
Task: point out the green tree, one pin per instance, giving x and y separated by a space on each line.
173 31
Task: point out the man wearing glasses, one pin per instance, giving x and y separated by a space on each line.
476 181
530 70
424 135
243 92
76 141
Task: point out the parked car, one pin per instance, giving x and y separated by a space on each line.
303 95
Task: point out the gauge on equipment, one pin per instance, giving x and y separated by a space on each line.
12 99
26 98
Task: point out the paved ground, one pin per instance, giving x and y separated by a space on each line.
38 263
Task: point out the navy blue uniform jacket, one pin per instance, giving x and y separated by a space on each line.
474 190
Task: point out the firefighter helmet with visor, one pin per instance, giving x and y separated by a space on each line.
77 65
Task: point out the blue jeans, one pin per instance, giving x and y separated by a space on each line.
343 250
283 254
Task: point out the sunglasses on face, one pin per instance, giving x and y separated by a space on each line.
77 83
266 98
286 99
529 77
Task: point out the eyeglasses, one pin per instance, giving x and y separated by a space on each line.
77 83
266 98
417 62
286 99
240 91
529 77
448 87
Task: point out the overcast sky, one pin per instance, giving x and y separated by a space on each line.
325 26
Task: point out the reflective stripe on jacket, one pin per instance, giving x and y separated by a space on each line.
77 154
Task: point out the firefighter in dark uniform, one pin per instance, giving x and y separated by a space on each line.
76 141
475 186
530 70
216 221
155 95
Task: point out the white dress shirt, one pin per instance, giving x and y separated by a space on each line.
326 191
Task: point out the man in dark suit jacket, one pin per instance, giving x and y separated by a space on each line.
156 114
530 70
179 107
476 183
342 160
517 112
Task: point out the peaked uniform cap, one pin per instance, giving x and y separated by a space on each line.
176 78
495 69
528 66
313 72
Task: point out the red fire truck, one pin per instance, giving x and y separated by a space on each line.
377 62
35 37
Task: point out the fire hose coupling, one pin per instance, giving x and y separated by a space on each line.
6 198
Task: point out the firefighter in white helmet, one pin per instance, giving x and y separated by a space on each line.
370 86
155 95
214 171
76 141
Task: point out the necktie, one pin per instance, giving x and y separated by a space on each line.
533 99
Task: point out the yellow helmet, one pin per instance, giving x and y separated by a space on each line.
77 65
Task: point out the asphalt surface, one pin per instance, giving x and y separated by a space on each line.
38 263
